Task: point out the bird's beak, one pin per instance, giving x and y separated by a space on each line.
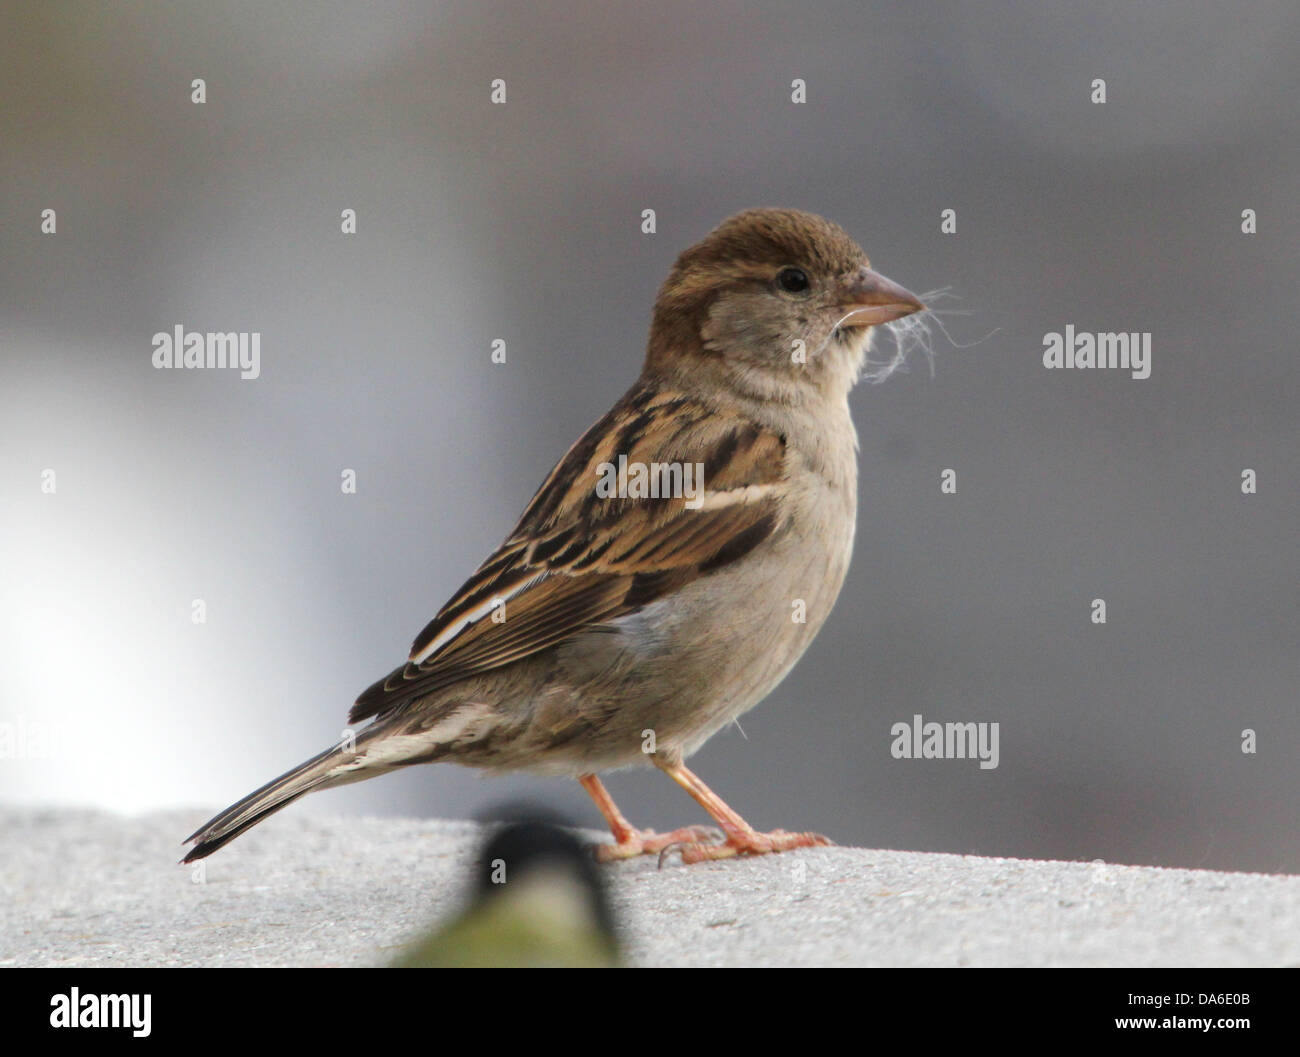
869 298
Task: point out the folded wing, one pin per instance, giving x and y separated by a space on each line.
579 558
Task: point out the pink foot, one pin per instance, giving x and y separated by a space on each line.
648 842
748 842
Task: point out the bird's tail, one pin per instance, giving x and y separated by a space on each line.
334 766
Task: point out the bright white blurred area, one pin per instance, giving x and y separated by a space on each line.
113 694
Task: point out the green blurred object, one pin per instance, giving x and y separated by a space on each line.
538 902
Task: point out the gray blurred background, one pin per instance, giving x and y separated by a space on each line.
522 222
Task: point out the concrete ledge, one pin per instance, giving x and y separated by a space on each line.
89 889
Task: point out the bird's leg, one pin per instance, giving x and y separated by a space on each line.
741 837
629 841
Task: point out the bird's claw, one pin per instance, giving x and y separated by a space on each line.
749 842
648 842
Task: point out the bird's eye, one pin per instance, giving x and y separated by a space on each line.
792 280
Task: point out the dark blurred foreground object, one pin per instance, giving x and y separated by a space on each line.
537 902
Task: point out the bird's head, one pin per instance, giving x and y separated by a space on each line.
775 299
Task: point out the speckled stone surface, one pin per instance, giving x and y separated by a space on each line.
89 889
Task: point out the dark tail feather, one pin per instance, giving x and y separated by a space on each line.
278 793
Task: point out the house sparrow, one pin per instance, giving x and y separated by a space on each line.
619 625
537 902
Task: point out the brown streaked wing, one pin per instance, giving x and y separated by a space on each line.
577 560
